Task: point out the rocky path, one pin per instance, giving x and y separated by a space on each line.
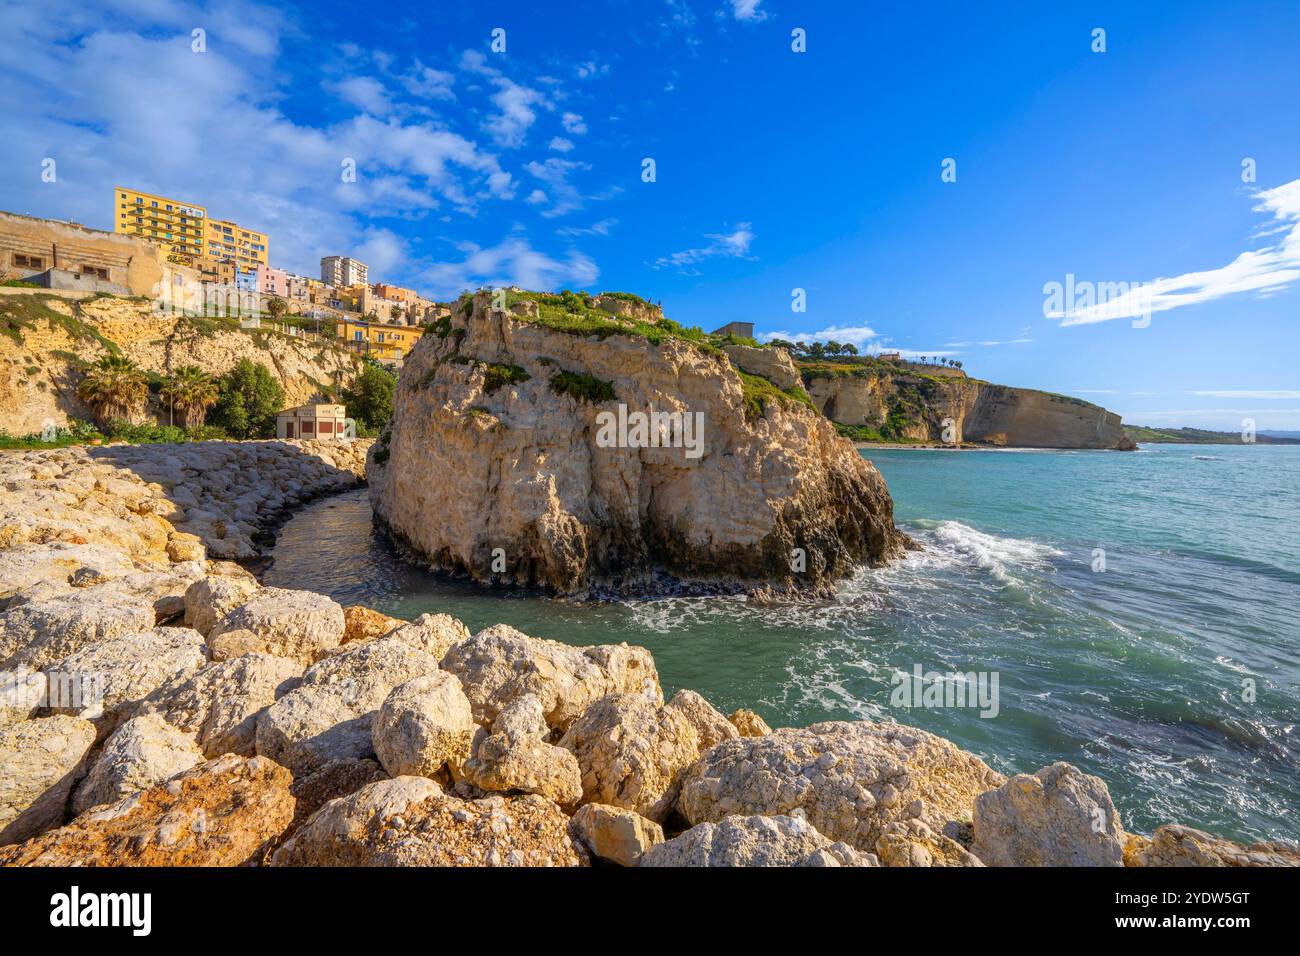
161 707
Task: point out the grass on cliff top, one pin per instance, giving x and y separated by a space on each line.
497 376
573 314
583 388
20 313
759 392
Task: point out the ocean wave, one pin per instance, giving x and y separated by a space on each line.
954 543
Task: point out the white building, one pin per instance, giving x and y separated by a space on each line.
312 421
343 270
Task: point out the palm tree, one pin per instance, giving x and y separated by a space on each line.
191 392
114 388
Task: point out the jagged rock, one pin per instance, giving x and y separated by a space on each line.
499 664
128 668
221 702
632 753
142 752
41 761
1176 845
334 779
614 834
755 841
410 821
22 694
1058 816
225 812
210 599
709 723
423 726
185 547
38 634
298 624
851 779
748 723
774 364
328 717
432 633
572 511
363 624
516 757
912 843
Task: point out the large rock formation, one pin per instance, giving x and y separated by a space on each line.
953 409
515 412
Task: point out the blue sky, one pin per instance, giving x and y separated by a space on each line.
775 170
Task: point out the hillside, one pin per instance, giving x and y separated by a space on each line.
44 339
875 400
1200 436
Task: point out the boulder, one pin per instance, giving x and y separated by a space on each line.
410 821
911 843
331 780
225 812
38 634
1058 816
748 723
220 703
424 726
22 694
432 633
851 779
499 664
515 756
108 678
142 752
1176 845
709 723
614 834
302 625
632 753
329 716
41 761
210 599
755 841
363 624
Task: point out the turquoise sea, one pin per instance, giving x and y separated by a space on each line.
1174 673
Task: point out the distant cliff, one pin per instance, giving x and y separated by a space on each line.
882 401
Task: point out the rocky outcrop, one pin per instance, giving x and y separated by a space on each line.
549 493
755 841
956 409
143 752
424 726
614 834
225 812
1176 845
515 756
299 625
40 762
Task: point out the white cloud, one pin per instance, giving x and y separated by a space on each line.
1263 271
511 262
747 11
573 124
536 198
987 343
364 92
559 144
555 173
858 335
515 101
732 245
590 68
1276 393
602 228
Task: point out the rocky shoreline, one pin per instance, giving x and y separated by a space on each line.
161 707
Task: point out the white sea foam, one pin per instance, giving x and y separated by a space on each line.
952 542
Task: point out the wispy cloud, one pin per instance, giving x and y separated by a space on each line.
1264 271
513 261
1276 393
987 343
602 228
731 245
747 10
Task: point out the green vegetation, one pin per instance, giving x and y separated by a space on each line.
19 284
81 433
152 434
370 399
76 432
190 392
277 307
496 376
583 388
759 392
19 313
439 327
114 388
249 399
573 314
1197 436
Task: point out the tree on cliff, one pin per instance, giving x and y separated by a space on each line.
115 389
370 399
249 398
190 391
277 307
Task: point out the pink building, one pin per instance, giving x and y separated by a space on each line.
272 282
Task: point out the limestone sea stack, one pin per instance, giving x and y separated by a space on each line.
518 454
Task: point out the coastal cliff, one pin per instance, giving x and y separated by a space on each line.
919 404
518 453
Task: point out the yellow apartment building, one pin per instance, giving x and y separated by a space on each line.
174 223
388 343
230 241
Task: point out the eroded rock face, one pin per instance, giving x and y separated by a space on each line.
570 511
748 723
851 780
410 821
210 599
912 843
42 633
143 752
432 633
755 841
297 624
1058 816
500 664
515 756
1176 845
363 624
40 762
225 812
614 834
220 703
709 724
424 726
632 753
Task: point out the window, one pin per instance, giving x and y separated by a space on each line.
28 262
327 428
308 427
94 271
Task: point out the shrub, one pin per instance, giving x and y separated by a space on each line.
370 398
248 402
583 388
496 376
